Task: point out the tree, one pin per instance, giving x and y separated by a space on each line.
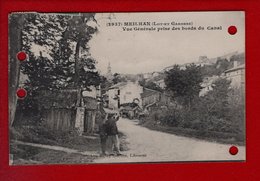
16 22
236 111
240 58
79 32
50 60
118 78
216 101
209 70
216 69
104 84
184 84
53 43
221 66
150 85
61 64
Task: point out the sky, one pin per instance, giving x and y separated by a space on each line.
147 51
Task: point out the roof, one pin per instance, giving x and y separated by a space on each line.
236 68
149 92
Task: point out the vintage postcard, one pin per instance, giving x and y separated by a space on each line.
126 87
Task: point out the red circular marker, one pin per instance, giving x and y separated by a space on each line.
233 150
21 56
21 93
232 30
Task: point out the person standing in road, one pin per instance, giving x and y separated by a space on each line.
112 132
101 119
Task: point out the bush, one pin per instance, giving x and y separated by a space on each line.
205 119
34 129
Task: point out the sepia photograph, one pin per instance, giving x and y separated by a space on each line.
146 87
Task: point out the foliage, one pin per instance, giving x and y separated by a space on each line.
53 43
216 69
118 78
56 36
240 58
222 65
104 84
150 85
184 83
219 113
216 101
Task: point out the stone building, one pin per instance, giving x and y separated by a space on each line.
236 75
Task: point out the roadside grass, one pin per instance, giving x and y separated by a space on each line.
24 154
212 136
29 155
41 135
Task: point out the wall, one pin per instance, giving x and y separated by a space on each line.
59 119
237 78
126 93
112 102
129 92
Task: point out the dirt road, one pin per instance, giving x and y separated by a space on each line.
152 146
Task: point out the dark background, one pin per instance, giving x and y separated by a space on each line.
249 170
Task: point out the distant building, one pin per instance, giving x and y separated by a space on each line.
203 61
160 82
207 85
124 92
236 75
150 96
130 110
151 75
153 98
166 69
155 74
147 75
228 55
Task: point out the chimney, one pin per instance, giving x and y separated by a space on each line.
235 64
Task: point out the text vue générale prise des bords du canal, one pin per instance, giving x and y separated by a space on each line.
160 26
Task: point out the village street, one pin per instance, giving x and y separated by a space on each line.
151 146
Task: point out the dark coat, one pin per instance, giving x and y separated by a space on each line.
111 127
103 130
